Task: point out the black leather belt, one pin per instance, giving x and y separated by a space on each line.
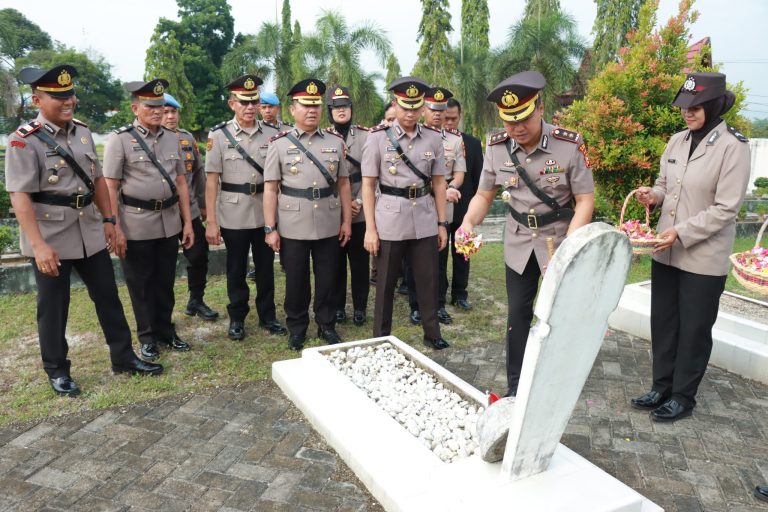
408 193
150 204
356 177
311 193
76 201
245 188
536 221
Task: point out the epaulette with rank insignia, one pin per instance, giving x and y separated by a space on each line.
279 135
77 121
498 138
736 133
124 129
433 128
453 131
379 127
219 126
361 127
25 130
333 131
563 134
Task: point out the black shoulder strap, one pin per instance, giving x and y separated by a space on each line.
427 180
248 158
536 190
154 160
314 159
63 153
353 161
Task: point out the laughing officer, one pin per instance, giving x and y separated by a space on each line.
549 192
56 186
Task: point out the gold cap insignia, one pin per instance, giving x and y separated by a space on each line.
509 99
159 89
338 92
312 88
249 84
439 96
64 78
412 91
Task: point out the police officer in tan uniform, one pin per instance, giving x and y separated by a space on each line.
549 192
54 178
340 114
435 103
148 190
311 216
407 161
197 255
235 165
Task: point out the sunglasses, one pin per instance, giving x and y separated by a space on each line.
245 103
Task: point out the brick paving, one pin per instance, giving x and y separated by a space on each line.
248 448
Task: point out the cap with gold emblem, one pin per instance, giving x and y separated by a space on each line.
57 81
308 92
436 98
409 92
245 87
150 93
516 96
338 97
699 88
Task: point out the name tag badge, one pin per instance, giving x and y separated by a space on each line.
391 148
328 150
292 151
671 160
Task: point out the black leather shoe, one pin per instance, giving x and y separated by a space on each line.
402 289
462 304
438 344
64 386
761 492
252 274
201 309
177 343
650 400
416 317
341 316
296 341
511 392
358 317
273 326
443 317
138 367
671 410
329 335
236 330
149 352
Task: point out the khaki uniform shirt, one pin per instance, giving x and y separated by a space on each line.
29 162
455 161
558 166
700 197
125 160
355 141
400 218
235 210
299 218
193 167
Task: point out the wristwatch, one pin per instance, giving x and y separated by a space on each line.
111 220
270 229
445 224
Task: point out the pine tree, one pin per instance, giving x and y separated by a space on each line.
435 62
474 25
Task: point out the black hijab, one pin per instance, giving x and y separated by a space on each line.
713 110
343 129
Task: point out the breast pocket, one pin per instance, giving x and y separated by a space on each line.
388 205
332 164
553 180
47 212
507 178
425 164
230 199
170 159
139 160
288 204
334 203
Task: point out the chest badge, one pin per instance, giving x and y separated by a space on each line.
293 170
553 179
551 167
54 178
392 169
84 140
505 196
332 167
513 181
509 163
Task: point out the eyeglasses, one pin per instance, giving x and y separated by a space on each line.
245 103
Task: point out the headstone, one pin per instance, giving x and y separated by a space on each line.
581 287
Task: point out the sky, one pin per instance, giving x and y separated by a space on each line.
737 29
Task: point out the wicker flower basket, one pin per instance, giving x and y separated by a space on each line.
750 268
641 236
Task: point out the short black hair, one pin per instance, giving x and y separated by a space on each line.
453 102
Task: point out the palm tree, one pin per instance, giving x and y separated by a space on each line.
549 44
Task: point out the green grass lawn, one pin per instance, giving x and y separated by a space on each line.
215 360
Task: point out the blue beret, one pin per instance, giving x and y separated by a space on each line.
170 101
269 98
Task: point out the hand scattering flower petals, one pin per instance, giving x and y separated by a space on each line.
467 243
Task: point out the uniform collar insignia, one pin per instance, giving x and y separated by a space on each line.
544 141
50 129
320 132
142 130
236 126
398 131
687 135
713 138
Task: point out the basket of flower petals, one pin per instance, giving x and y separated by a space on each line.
750 268
641 235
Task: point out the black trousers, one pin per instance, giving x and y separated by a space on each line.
359 262
441 281
684 308
149 268
521 292
53 309
197 262
422 254
239 243
460 279
325 254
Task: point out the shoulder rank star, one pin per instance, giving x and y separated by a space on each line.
428 154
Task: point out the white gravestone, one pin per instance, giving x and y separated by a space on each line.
581 287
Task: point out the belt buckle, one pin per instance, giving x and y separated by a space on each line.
158 205
412 192
78 205
532 222
315 193
253 187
